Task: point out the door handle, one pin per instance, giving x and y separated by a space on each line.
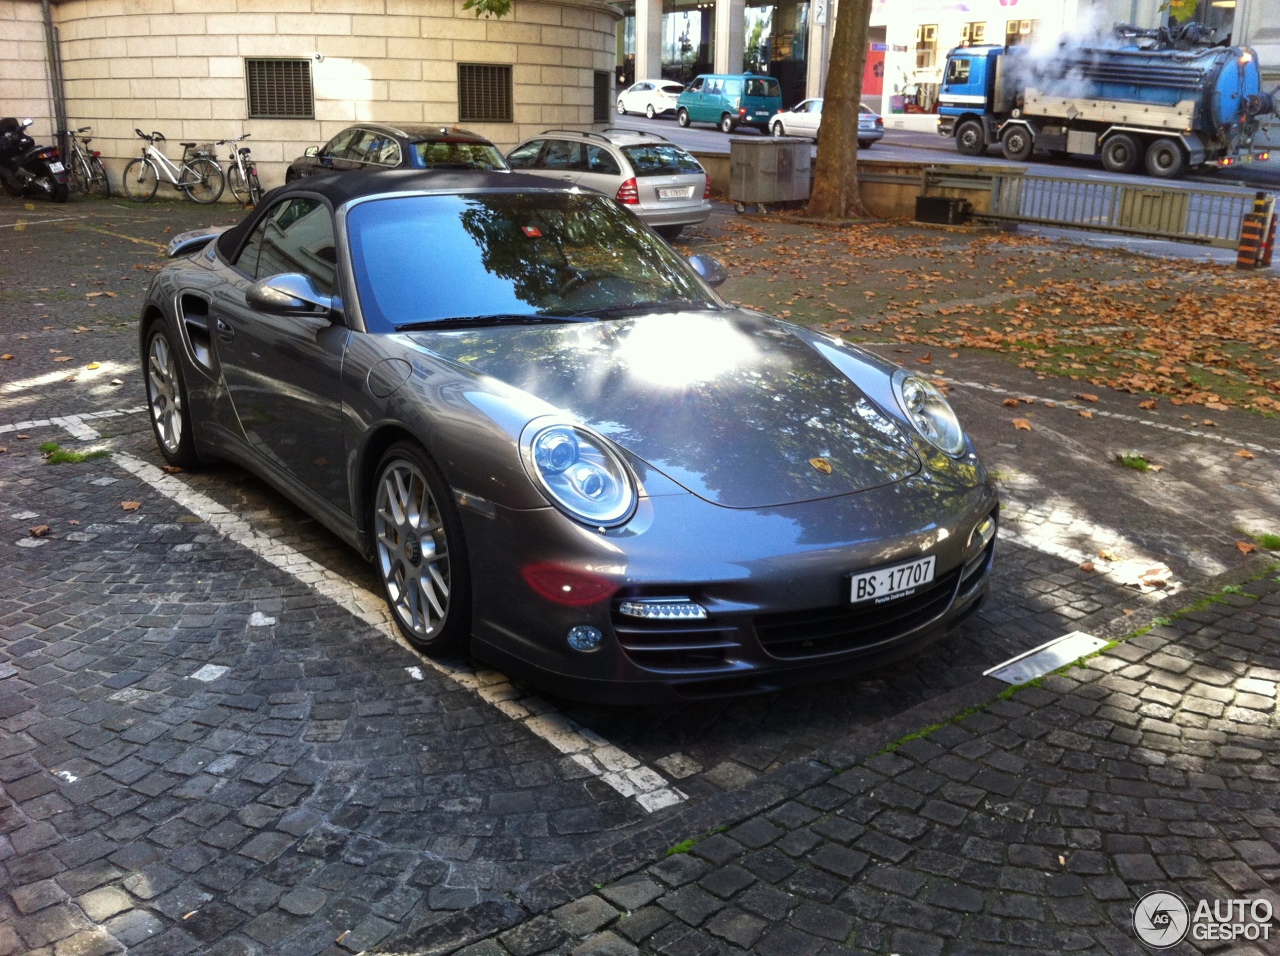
225 331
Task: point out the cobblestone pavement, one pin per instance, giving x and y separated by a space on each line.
208 743
1032 823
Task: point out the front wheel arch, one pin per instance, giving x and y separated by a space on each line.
365 469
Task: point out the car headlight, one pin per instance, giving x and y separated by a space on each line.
929 412
579 473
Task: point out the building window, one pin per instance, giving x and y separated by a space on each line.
1021 32
600 97
926 45
484 93
279 89
973 34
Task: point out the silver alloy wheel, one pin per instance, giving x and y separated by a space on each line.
164 393
413 555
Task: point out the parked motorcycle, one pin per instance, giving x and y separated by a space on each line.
27 169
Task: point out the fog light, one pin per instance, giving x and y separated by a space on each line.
584 637
663 609
982 534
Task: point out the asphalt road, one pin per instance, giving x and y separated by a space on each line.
906 146
208 734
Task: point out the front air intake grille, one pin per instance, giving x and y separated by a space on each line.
831 630
675 645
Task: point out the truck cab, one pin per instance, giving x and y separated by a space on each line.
966 101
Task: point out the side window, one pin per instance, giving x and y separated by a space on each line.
295 236
337 146
359 148
562 155
526 156
733 89
696 85
384 151
600 160
958 72
714 87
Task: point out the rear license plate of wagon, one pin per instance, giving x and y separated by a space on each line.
886 584
675 192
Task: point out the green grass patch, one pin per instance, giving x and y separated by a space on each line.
1269 541
686 845
1135 461
56 455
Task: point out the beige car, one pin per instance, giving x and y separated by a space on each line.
653 177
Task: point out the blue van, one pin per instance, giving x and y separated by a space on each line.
730 100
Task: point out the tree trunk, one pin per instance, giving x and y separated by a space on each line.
835 177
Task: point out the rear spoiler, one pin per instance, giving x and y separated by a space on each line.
185 243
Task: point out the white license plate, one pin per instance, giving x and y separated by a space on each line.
762 112
675 192
56 167
886 584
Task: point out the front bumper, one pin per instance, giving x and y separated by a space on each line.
773 581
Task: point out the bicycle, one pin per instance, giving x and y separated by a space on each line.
88 174
198 176
242 174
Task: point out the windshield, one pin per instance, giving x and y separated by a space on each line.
419 259
453 154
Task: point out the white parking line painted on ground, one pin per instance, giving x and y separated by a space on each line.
623 772
1120 416
24 223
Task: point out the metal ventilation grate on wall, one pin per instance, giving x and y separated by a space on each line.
484 93
279 89
601 96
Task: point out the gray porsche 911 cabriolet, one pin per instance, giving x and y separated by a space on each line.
563 452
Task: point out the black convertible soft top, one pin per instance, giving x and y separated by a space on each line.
339 188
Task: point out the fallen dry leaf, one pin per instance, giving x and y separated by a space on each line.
72 521
131 505
1149 403
63 358
1022 424
1106 554
6 357
1011 403
171 469
94 295
1085 397
1211 423
1085 413
1087 566
925 359
93 365
1244 453
40 530
1244 547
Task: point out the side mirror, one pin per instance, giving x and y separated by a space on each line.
291 293
709 270
311 151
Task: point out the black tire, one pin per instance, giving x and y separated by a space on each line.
622 110
1166 159
971 138
727 124
170 411
235 182
255 188
56 191
682 117
649 111
80 175
777 129
100 182
428 588
669 233
204 182
140 180
1017 143
865 144
1121 153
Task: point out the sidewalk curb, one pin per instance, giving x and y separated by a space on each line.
570 881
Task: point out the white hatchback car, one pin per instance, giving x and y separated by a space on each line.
653 177
650 97
805 118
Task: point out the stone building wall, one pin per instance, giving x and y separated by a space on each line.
24 77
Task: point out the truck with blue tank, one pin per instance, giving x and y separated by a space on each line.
1145 99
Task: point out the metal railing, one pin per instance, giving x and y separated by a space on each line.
1187 213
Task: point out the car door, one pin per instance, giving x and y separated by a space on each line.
633 100
602 172
525 156
691 99
803 121
283 373
359 151
323 161
561 159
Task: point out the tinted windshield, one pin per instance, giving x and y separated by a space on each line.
451 153
431 258
658 160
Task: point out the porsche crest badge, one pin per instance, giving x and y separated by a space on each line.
822 464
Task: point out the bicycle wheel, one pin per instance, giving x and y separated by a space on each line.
140 180
255 188
239 188
80 173
202 181
99 181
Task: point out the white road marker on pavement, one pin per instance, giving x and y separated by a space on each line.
1046 658
618 769
210 672
258 619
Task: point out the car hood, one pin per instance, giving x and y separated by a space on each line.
730 405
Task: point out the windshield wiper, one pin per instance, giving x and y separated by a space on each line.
501 318
636 308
